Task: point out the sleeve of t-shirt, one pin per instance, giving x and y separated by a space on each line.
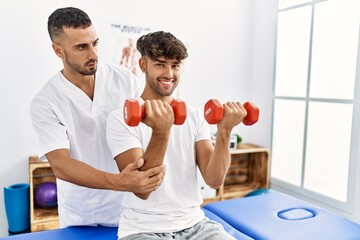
119 136
51 133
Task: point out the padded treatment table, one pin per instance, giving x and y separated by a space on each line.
228 228
105 233
277 216
271 216
70 233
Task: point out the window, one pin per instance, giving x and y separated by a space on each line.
315 99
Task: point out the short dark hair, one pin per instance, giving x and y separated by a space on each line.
161 44
66 17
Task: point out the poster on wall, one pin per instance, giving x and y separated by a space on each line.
119 45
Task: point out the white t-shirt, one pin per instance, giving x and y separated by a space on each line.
175 205
65 117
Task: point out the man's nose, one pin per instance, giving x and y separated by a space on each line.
168 72
93 53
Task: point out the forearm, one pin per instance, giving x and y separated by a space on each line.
155 152
220 160
79 173
154 155
141 183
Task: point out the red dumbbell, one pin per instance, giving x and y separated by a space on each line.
214 112
133 112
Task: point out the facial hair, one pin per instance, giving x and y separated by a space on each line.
77 68
156 88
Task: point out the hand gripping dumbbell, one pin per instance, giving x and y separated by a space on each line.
214 112
133 112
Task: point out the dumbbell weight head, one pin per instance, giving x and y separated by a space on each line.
213 111
253 113
179 108
133 112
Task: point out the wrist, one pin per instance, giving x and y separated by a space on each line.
110 182
161 134
222 132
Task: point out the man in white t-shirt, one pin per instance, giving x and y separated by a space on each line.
69 115
173 210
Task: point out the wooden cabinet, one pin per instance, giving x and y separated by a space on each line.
41 218
249 170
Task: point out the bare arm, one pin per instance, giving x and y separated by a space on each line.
214 161
160 117
77 172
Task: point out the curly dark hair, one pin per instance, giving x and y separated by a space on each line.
161 44
66 17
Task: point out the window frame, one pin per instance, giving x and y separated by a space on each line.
343 208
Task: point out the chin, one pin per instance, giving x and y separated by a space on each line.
91 72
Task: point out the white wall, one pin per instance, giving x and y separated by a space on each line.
230 58
262 67
218 37
26 62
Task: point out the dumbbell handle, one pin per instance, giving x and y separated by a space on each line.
214 112
133 112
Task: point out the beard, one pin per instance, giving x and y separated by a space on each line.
79 69
159 90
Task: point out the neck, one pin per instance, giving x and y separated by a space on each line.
83 82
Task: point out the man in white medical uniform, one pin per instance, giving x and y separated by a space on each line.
69 115
173 210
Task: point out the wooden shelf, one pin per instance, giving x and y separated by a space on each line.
40 218
249 171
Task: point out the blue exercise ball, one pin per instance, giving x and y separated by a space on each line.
46 195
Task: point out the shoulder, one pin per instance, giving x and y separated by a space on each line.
44 100
116 115
117 75
116 120
110 69
47 91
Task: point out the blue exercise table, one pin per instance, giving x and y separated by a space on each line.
270 216
70 233
277 216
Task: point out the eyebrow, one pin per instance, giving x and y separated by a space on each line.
162 61
82 44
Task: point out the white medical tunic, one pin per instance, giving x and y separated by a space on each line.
175 205
66 118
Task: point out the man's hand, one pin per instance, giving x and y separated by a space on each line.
234 113
132 180
159 116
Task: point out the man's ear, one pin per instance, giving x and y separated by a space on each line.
142 64
58 50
